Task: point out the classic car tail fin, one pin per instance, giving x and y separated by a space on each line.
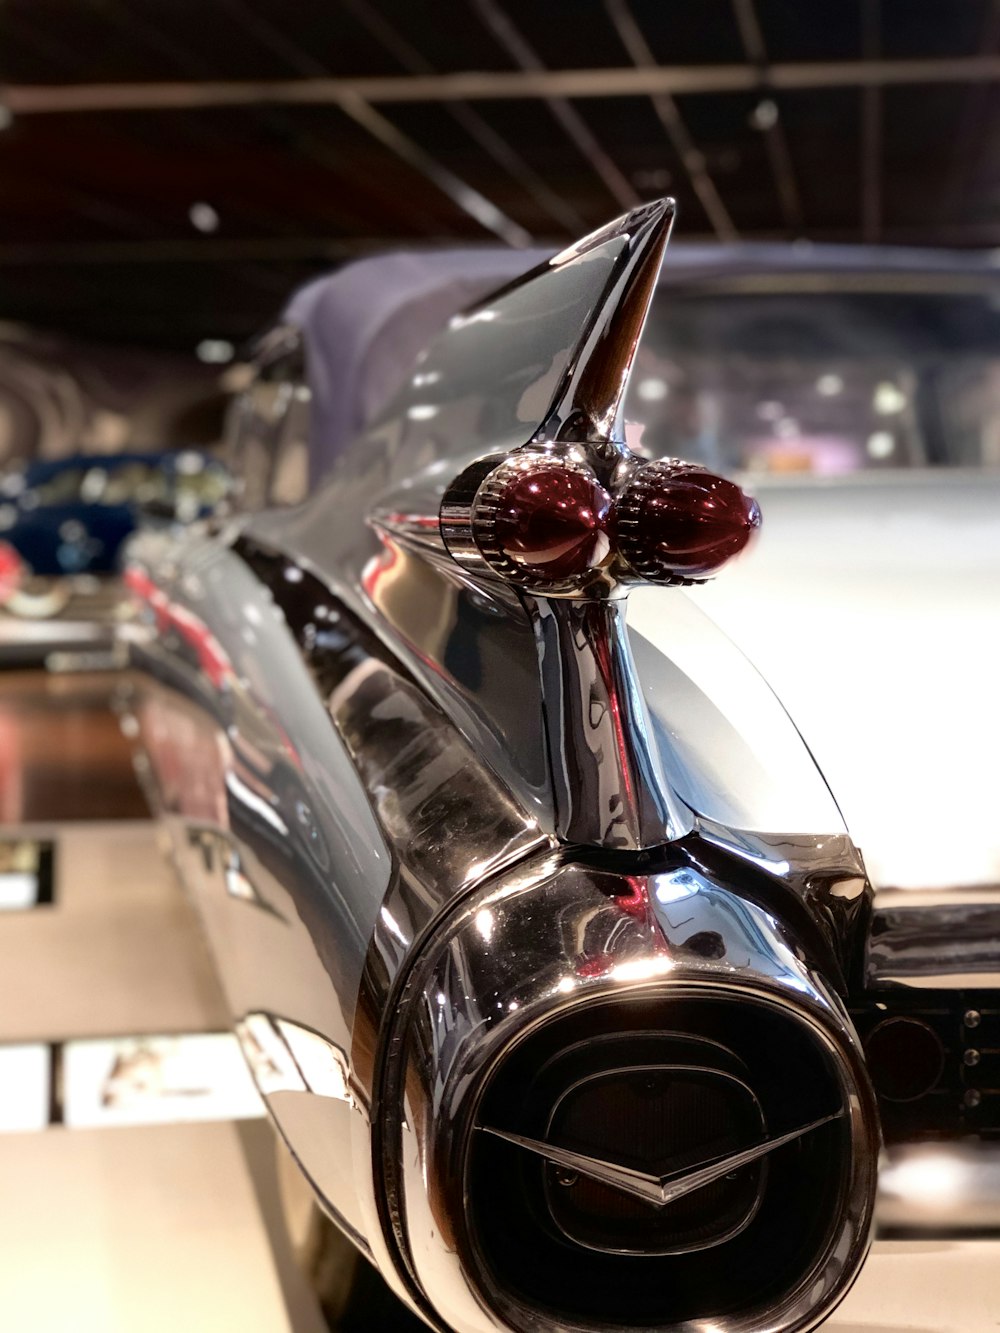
588 404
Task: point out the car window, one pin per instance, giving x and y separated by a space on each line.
821 383
63 487
129 483
266 439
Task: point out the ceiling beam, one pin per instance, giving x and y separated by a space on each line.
471 202
669 116
322 250
779 155
479 85
489 140
498 22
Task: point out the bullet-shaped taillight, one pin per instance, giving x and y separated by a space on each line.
543 523
674 522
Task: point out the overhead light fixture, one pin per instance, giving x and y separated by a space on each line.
764 116
203 217
829 385
215 351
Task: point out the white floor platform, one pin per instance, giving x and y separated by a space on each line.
134 1230
925 1287
120 949
129 1228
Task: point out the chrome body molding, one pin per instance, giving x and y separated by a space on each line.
226 765
255 738
609 788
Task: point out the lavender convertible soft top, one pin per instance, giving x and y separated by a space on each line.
366 324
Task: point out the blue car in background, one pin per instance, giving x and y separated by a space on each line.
63 524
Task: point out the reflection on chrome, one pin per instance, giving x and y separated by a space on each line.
286 1057
658 1190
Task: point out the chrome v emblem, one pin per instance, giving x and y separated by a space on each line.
658 1190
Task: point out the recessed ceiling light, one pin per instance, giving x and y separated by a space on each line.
764 116
215 351
203 217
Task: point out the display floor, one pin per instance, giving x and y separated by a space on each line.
133 1200
138 1192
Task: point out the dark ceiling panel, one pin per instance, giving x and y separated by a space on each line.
917 152
530 128
577 36
139 40
171 305
824 135
736 156
581 36
810 29
95 229
45 43
393 197
643 151
326 35
695 34
449 37
912 29
972 193
431 123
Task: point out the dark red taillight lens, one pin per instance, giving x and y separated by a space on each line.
11 571
674 522
552 522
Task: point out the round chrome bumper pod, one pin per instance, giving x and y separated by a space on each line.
624 1101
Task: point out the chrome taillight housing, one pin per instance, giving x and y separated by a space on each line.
564 520
564 1046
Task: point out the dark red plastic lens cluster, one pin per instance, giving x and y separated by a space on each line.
678 522
552 522
671 523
